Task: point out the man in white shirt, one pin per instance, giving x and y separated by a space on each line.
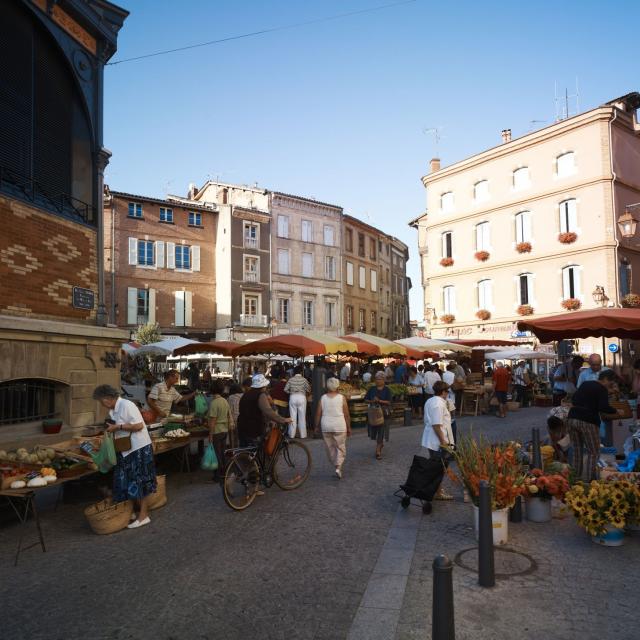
345 371
430 378
593 371
366 376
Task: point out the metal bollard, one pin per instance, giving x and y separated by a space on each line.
442 618
515 513
536 458
486 569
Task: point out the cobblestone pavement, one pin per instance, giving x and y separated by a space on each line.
308 564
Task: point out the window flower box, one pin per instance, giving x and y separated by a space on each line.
631 300
525 310
483 314
446 262
481 256
571 304
568 237
447 318
523 247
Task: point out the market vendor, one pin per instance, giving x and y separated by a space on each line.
164 394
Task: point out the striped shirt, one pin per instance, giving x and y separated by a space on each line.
297 384
164 397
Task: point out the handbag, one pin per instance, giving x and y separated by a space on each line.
272 441
123 443
375 416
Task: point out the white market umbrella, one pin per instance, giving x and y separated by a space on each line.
430 344
164 347
520 354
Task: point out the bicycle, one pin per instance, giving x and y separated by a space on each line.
289 467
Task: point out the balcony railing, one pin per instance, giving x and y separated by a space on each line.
247 320
250 276
250 243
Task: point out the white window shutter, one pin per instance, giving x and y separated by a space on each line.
188 303
573 215
159 254
195 257
152 306
171 255
444 245
374 280
132 305
479 237
452 299
179 308
576 281
133 251
526 227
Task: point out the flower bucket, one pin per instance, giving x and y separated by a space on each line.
613 537
500 522
538 509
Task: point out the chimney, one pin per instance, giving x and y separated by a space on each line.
506 135
192 191
434 165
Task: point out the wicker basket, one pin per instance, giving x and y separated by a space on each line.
159 498
513 406
106 517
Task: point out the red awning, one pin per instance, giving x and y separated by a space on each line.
592 323
223 347
298 344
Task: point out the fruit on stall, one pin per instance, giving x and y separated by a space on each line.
37 455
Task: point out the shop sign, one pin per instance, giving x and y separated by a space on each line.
613 347
83 298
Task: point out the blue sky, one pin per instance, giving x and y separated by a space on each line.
337 110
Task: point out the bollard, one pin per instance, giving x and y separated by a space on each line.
486 569
408 417
515 513
442 618
536 458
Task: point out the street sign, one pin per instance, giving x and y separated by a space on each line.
613 347
82 298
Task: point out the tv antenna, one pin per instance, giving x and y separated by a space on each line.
533 123
436 132
562 102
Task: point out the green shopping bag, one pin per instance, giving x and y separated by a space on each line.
105 459
209 460
201 405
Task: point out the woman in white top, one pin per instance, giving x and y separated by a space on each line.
134 476
438 434
332 416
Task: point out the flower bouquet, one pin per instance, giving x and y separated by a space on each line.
568 237
631 300
547 485
525 310
481 256
446 262
523 247
483 314
571 304
447 318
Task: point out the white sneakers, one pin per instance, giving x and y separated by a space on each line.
139 523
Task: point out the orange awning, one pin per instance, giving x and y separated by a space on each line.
298 345
223 347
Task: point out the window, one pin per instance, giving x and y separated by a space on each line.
521 178
283 310
330 268
483 241
361 245
307 231
307 265
183 256
447 244
525 288
145 253
446 202
283 226
523 227
571 282
329 314
250 236
485 294
307 312
481 191
141 306
30 399
449 300
379 246
372 248
373 321
374 281
166 215
348 240
183 308
350 273
135 210
568 216
195 219
387 278
250 305
625 277
388 249
328 235
251 269
565 164
362 277
362 326
349 316
283 262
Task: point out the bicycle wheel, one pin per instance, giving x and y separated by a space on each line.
241 481
292 466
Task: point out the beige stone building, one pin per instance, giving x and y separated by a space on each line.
531 225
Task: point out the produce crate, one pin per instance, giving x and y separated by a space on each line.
542 401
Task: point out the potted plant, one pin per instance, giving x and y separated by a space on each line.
500 466
523 247
540 488
481 256
568 237
448 318
525 310
446 262
483 314
571 304
631 300
604 508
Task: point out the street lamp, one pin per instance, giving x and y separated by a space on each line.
627 225
599 296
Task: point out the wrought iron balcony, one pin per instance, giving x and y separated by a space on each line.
247 320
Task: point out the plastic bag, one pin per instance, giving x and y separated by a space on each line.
209 460
201 405
105 459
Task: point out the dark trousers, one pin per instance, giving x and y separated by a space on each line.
219 442
519 391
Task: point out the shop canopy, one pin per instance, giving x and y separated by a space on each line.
520 354
376 346
485 344
429 344
591 323
298 345
222 347
164 347
130 348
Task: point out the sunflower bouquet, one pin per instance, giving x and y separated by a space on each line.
498 464
547 485
602 503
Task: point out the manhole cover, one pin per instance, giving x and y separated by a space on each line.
507 562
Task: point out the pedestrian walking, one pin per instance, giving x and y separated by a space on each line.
379 397
501 378
333 419
235 393
431 376
521 382
416 391
219 425
298 389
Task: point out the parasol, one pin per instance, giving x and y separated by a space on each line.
308 343
222 347
430 344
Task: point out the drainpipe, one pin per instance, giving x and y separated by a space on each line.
613 206
102 160
113 261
